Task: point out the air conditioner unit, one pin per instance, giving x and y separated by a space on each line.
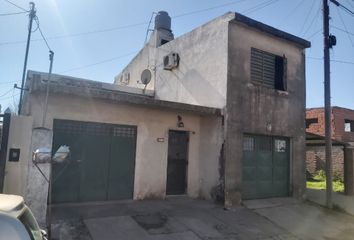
170 61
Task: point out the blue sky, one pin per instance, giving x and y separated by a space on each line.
95 39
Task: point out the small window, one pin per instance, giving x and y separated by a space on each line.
268 69
310 121
279 145
348 125
163 41
248 143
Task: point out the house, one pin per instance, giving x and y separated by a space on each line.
218 113
342 134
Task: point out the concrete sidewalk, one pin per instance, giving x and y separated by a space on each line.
304 220
177 218
181 218
340 201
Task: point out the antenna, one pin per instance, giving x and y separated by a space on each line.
146 77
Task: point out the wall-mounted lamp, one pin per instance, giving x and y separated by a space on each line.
180 123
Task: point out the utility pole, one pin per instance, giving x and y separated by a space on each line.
49 216
32 15
329 42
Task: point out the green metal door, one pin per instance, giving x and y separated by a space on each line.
122 163
265 167
94 162
101 165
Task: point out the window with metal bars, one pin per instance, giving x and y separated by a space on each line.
268 70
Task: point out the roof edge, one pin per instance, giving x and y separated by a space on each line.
271 30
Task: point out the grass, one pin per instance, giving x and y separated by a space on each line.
319 182
337 185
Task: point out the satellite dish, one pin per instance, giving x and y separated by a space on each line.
146 76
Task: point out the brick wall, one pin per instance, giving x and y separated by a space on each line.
315 159
340 114
338 117
317 128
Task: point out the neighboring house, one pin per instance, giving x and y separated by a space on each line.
342 124
222 117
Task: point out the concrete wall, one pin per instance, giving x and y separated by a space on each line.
349 169
211 139
37 184
260 110
151 155
201 76
16 172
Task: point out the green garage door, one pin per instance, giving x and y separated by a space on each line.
102 162
265 167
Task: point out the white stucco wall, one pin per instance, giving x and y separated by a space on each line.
16 172
201 77
151 155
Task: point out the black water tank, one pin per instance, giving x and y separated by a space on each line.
163 21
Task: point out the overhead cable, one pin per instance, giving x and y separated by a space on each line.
253 9
345 27
16 5
40 31
100 62
11 14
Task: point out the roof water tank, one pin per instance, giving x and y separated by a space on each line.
163 21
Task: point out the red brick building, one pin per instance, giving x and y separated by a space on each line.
342 133
342 123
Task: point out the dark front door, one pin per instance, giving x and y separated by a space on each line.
177 162
102 161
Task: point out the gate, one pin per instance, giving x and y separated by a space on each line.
101 165
265 167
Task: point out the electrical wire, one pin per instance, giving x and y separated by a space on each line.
5 98
335 2
259 6
7 82
313 20
345 27
341 29
208 9
7 92
255 8
40 31
347 9
295 8
16 5
11 14
307 17
314 34
100 62
332 60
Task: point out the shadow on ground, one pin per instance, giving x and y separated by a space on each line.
181 218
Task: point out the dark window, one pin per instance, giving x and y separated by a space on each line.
348 125
163 41
310 121
268 69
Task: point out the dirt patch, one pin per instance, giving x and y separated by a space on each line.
151 221
74 229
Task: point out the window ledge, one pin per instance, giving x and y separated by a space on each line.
279 92
282 93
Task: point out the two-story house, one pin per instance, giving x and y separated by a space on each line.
215 113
